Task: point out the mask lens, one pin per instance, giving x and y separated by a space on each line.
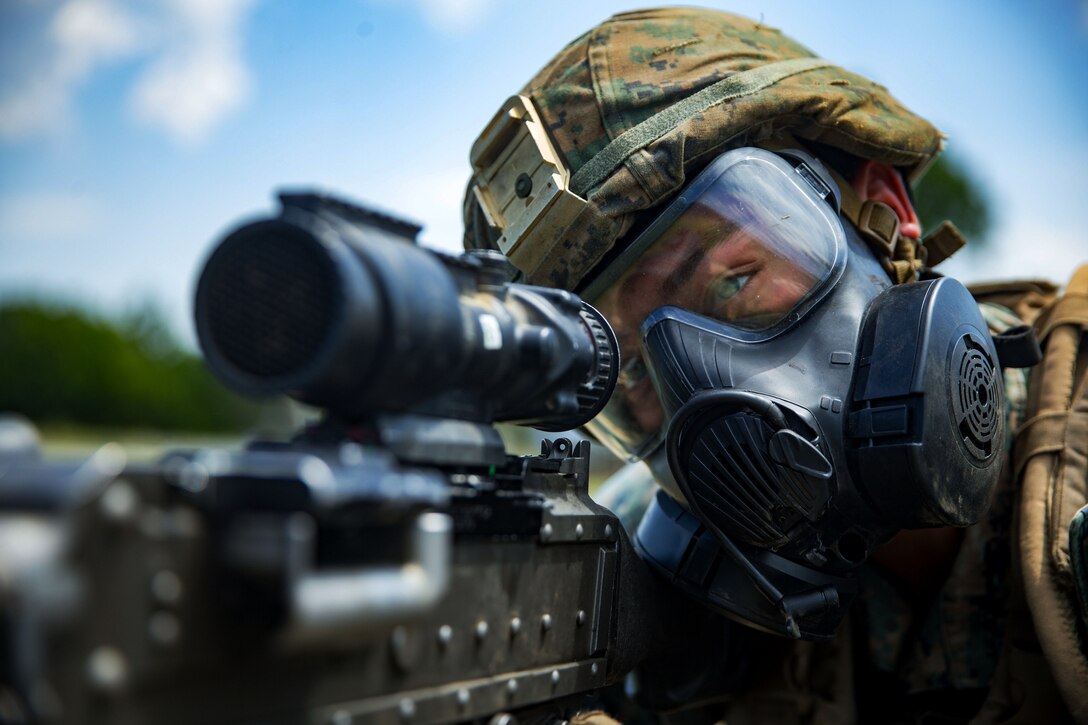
749 243
630 425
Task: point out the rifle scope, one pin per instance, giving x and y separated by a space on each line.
336 306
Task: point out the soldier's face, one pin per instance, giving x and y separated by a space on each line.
709 265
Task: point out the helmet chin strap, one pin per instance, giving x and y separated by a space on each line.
900 256
878 226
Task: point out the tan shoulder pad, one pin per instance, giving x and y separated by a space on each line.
593 717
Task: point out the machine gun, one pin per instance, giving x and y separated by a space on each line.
391 563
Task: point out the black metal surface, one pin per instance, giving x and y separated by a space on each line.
183 619
274 300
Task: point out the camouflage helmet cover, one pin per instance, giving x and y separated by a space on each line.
638 63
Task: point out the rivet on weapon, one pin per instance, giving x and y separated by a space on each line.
481 629
352 454
166 586
555 677
523 186
341 717
608 531
119 501
515 625
546 622
407 708
107 669
546 532
194 477
579 530
594 668
581 618
43 699
164 628
445 634
463 697
400 646
512 686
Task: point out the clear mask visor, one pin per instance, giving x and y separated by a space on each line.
750 244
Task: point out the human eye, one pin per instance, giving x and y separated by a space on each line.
632 372
721 290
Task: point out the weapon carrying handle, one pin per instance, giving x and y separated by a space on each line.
333 604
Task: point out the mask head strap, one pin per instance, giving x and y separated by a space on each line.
878 225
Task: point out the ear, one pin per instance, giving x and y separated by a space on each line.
875 181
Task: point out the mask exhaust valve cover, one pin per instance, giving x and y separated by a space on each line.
926 430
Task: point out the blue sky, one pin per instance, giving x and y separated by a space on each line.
133 132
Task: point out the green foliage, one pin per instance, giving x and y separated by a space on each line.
61 365
949 191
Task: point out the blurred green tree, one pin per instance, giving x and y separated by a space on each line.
62 365
950 191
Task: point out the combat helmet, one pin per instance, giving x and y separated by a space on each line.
628 112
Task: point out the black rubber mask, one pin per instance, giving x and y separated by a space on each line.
808 409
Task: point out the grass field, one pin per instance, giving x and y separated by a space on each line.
68 442
75 442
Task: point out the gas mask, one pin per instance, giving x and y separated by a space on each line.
797 407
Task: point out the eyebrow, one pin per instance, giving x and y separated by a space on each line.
668 286
683 271
725 228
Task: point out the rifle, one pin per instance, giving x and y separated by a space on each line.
391 563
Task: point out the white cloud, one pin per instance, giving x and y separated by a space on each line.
89 31
193 76
431 198
449 16
83 34
454 15
42 107
1024 249
200 78
38 216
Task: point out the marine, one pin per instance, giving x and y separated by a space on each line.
835 451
